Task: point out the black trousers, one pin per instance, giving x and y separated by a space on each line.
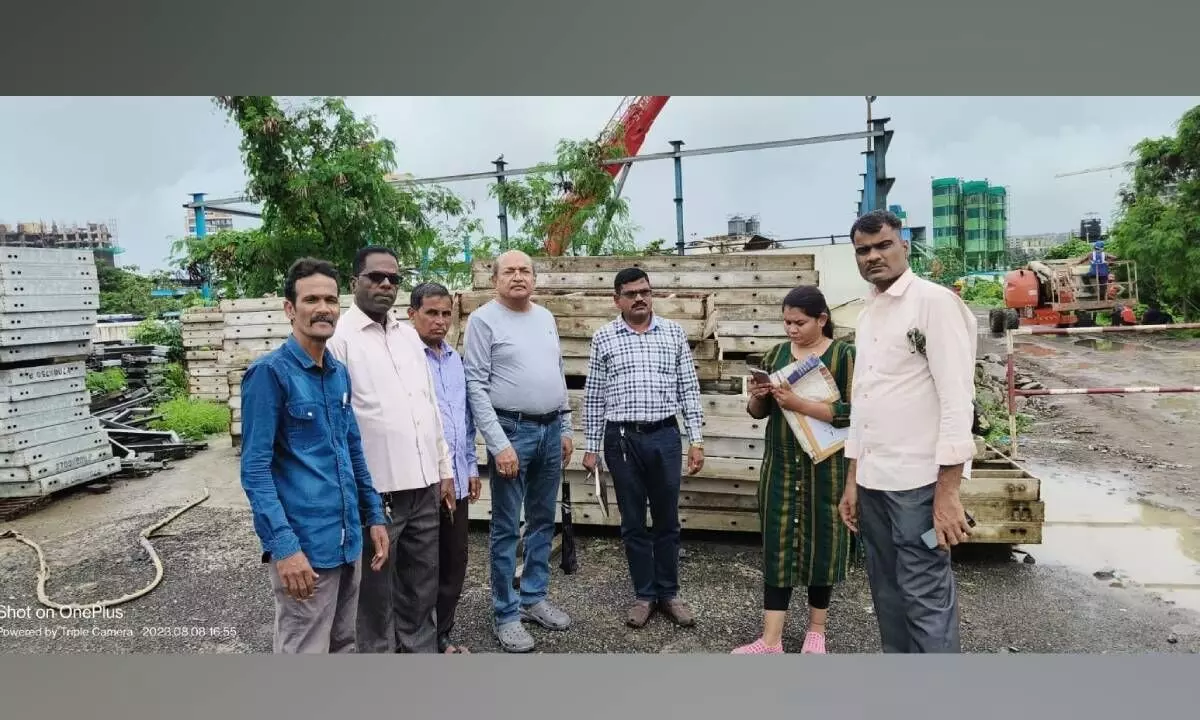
646 467
452 567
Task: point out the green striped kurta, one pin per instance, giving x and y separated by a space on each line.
804 540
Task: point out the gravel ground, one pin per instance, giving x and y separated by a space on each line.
215 596
213 582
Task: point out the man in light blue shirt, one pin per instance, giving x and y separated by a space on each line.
431 312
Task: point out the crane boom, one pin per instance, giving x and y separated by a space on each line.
627 130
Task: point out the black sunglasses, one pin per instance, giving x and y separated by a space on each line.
379 277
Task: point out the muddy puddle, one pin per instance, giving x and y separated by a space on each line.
1106 344
1098 526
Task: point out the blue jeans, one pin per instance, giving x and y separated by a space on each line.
539 452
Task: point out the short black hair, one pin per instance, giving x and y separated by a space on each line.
629 275
872 222
809 300
306 267
426 290
360 258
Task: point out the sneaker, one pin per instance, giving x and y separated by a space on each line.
514 638
758 647
546 615
814 644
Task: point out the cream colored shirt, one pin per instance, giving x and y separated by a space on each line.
394 401
911 413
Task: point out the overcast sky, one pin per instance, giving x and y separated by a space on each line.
134 161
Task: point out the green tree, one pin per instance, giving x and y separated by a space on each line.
946 265
320 175
127 291
543 203
1158 218
1073 248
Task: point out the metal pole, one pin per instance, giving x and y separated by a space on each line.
201 232
499 163
679 243
1011 382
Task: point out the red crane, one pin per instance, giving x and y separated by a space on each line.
627 130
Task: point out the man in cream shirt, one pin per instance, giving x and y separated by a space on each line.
910 440
397 410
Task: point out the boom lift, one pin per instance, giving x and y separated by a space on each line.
627 130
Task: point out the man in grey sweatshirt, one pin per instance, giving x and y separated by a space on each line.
518 395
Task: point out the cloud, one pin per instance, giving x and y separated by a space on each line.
136 160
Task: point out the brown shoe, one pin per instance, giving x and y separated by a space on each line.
639 614
678 612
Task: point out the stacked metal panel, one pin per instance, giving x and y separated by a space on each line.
48 438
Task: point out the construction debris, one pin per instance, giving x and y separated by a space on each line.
144 366
126 417
48 439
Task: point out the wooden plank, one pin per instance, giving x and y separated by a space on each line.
783 279
201 355
257 346
733 295
589 514
664 263
677 306
764 312
716 468
767 328
1024 489
275 316
747 344
256 332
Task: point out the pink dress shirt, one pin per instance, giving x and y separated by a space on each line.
912 413
394 401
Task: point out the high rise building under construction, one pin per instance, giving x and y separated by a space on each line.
971 218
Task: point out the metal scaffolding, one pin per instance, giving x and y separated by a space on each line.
874 192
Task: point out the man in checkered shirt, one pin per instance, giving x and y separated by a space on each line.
640 376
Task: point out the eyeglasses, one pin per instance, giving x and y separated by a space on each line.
635 294
379 277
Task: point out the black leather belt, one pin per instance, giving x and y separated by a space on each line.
543 419
646 427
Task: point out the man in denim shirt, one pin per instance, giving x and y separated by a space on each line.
304 473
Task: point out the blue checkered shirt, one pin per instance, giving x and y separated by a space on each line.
640 377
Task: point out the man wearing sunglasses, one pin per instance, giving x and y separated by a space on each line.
396 405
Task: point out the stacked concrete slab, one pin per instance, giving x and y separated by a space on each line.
48 438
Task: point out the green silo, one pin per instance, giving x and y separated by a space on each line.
997 227
975 224
947 214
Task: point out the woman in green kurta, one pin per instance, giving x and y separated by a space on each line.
805 542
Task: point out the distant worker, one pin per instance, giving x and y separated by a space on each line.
1154 315
305 474
1123 315
1099 269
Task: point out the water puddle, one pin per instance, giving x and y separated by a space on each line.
1096 524
1106 344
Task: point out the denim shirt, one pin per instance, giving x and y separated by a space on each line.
303 468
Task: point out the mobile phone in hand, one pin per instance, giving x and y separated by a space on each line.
760 376
930 535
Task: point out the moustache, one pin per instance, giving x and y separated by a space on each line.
321 318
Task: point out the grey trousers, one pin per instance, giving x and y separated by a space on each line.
397 610
916 602
325 622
